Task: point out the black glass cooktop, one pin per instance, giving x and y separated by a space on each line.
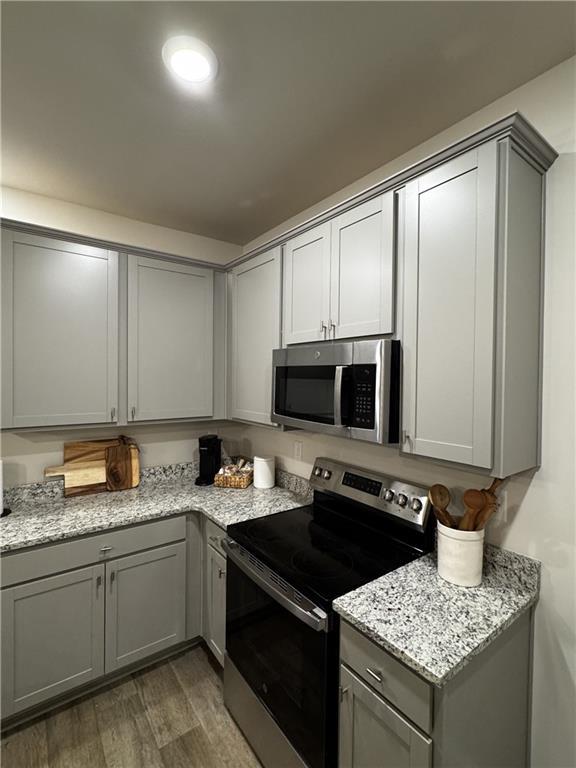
322 555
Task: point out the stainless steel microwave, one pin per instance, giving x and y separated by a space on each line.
350 389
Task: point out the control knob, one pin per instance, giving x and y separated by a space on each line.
402 499
389 495
317 471
416 504
327 474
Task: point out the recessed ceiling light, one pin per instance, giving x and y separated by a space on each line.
190 59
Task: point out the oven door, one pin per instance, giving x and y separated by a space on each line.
311 388
285 654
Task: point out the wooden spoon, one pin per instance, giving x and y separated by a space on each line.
440 498
486 514
474 502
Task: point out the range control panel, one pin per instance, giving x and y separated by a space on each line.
405 501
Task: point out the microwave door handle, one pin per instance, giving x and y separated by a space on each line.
338 395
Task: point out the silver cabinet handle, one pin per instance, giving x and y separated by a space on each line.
323 329
113 414
376 674
332 328
133 411
105 548
98 584
343 692
221 573
112 580
214 539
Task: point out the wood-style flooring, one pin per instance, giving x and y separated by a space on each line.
170 715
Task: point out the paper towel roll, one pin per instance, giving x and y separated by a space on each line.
264 471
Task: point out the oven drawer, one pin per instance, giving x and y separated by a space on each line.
215 536
408 692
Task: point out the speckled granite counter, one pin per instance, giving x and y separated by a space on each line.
435 627
40 519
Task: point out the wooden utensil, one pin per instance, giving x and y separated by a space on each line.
474 503
491 505
440 499
496 483
485 515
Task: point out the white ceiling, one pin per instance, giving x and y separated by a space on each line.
310 96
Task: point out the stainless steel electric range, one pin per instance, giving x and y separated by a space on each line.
284 570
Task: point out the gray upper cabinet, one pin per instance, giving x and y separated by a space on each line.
472 310
59 332
170 340
255 332
52 637
145 604
372 733
362 270
449 309
339 276
306 297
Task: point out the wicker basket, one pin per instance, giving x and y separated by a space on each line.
234 481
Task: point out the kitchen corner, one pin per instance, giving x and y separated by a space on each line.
41 515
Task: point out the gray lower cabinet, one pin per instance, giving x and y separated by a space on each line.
390 717
145 604
215 591
52 637
61 631
373 734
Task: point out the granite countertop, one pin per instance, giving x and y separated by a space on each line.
38 519
434 627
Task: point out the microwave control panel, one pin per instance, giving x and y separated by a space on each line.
364 396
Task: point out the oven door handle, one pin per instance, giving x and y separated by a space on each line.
338 395
318 623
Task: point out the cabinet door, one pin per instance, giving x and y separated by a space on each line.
52 637
145 604
373 734
362 270
170 338
216 602
307 286
59 332
255 332
449 308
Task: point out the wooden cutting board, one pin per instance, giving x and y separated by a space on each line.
89 464
122 467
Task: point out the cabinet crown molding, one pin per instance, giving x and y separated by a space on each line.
514 126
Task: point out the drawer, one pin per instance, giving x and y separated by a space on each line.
55 558
214 535
408 692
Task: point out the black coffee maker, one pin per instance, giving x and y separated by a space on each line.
210 458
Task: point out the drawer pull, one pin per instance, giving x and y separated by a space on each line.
105 548
215 539
376 675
